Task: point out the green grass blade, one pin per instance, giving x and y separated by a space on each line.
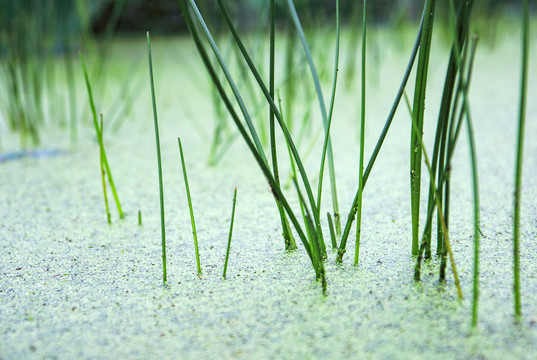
230 231
519 158
191 210
159 162
290 243
362 141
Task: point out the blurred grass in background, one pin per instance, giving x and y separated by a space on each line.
39 41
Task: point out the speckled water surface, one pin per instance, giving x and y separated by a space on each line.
74 287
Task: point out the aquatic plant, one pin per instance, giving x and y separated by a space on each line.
159 162
230 232
519 158
191 210
362 140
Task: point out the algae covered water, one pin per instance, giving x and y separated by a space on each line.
74 287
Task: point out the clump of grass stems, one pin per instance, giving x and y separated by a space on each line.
417 131
327 119
454 132
444 144
268 98
465 109
249 138
519 159
103 156
191 210
159 162
380 141
230 232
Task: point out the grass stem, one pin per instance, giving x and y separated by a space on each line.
100 134
519 159
230 231
192 220
362 141
159 162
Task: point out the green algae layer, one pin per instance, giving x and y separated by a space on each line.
73 286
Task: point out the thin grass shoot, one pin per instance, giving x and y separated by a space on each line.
230 232
190 208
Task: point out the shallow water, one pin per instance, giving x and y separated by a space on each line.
74 287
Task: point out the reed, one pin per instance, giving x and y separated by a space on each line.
519 159
230 232
362 141
159 163
190 208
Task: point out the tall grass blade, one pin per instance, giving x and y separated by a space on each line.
290 243
519 157
159 162
362 141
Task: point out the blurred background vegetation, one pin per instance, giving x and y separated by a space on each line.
39 41
126 16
